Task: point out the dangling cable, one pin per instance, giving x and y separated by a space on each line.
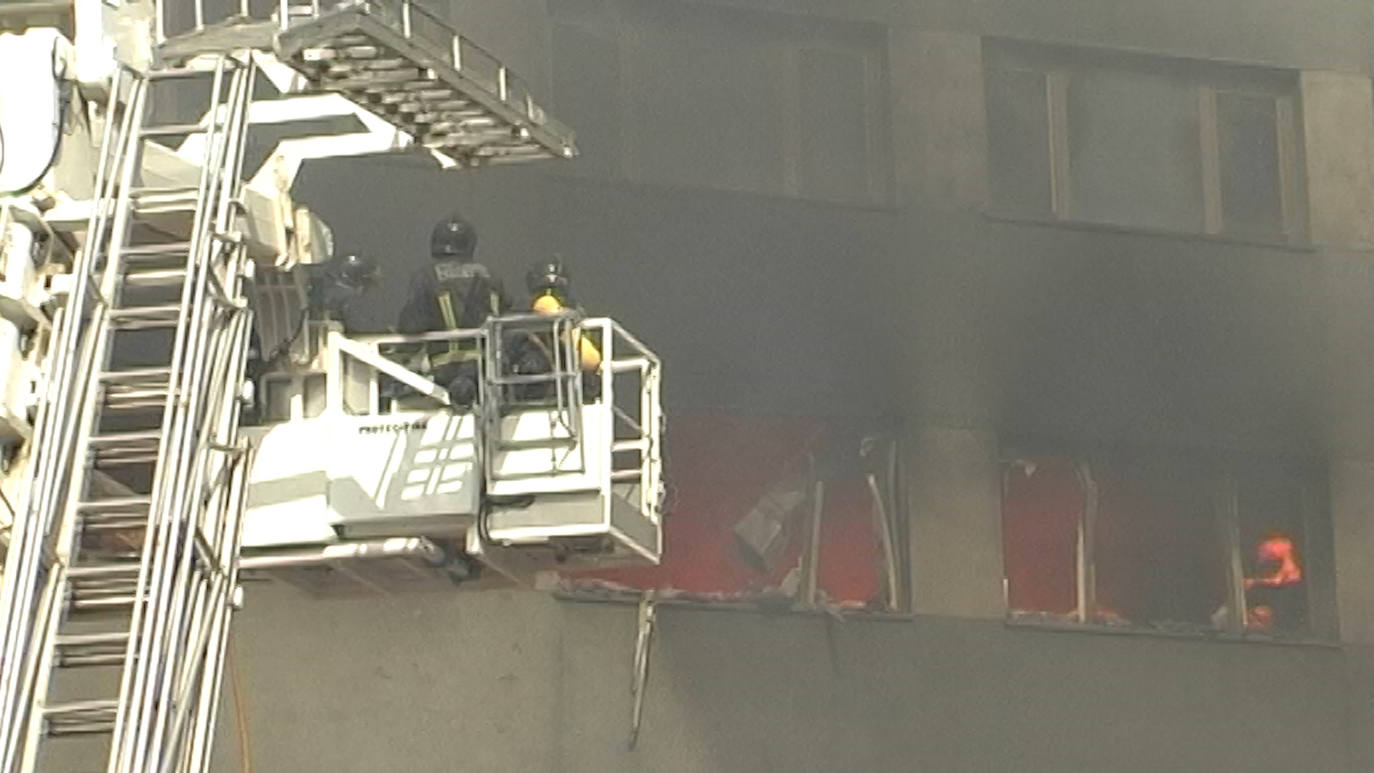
63 104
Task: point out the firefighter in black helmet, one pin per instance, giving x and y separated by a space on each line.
551 293
336 283
454 292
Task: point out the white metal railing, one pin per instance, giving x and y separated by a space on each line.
629 378
639 430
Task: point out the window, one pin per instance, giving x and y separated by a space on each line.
1142 142
1165 542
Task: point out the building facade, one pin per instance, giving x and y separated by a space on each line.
1102 269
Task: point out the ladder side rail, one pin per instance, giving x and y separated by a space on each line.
213 676
149 610
38 662
191 637
32 521
98 335
226 500
54 446
167 593
211 361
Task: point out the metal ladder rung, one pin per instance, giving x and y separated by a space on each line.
113 522
497 153
122 448
135 401
91 649
120 600
114 504
169 206
81 717
145 316
114 438
360 65
379 81
97 572
334 53
136 375
438 113
160 250
161 277
404 100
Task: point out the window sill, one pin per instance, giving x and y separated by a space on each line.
1164 233
759 604
1058 626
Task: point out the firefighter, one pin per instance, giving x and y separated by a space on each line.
550 293
336 283
455 292
1275 596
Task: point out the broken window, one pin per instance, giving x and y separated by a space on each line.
1164 542
1042 521
1159 554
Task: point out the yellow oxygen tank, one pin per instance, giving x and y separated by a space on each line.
591 356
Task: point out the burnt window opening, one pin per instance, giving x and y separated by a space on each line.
1145 142
1163 543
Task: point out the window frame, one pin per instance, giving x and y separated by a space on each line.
1320 627
1059 65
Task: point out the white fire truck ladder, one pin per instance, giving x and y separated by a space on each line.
125 551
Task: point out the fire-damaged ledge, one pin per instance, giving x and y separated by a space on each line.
1101 629
760 604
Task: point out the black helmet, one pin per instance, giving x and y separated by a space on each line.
547 277
453 237
358 271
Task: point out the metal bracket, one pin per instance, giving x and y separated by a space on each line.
644 634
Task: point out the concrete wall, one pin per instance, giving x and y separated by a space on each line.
515 681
